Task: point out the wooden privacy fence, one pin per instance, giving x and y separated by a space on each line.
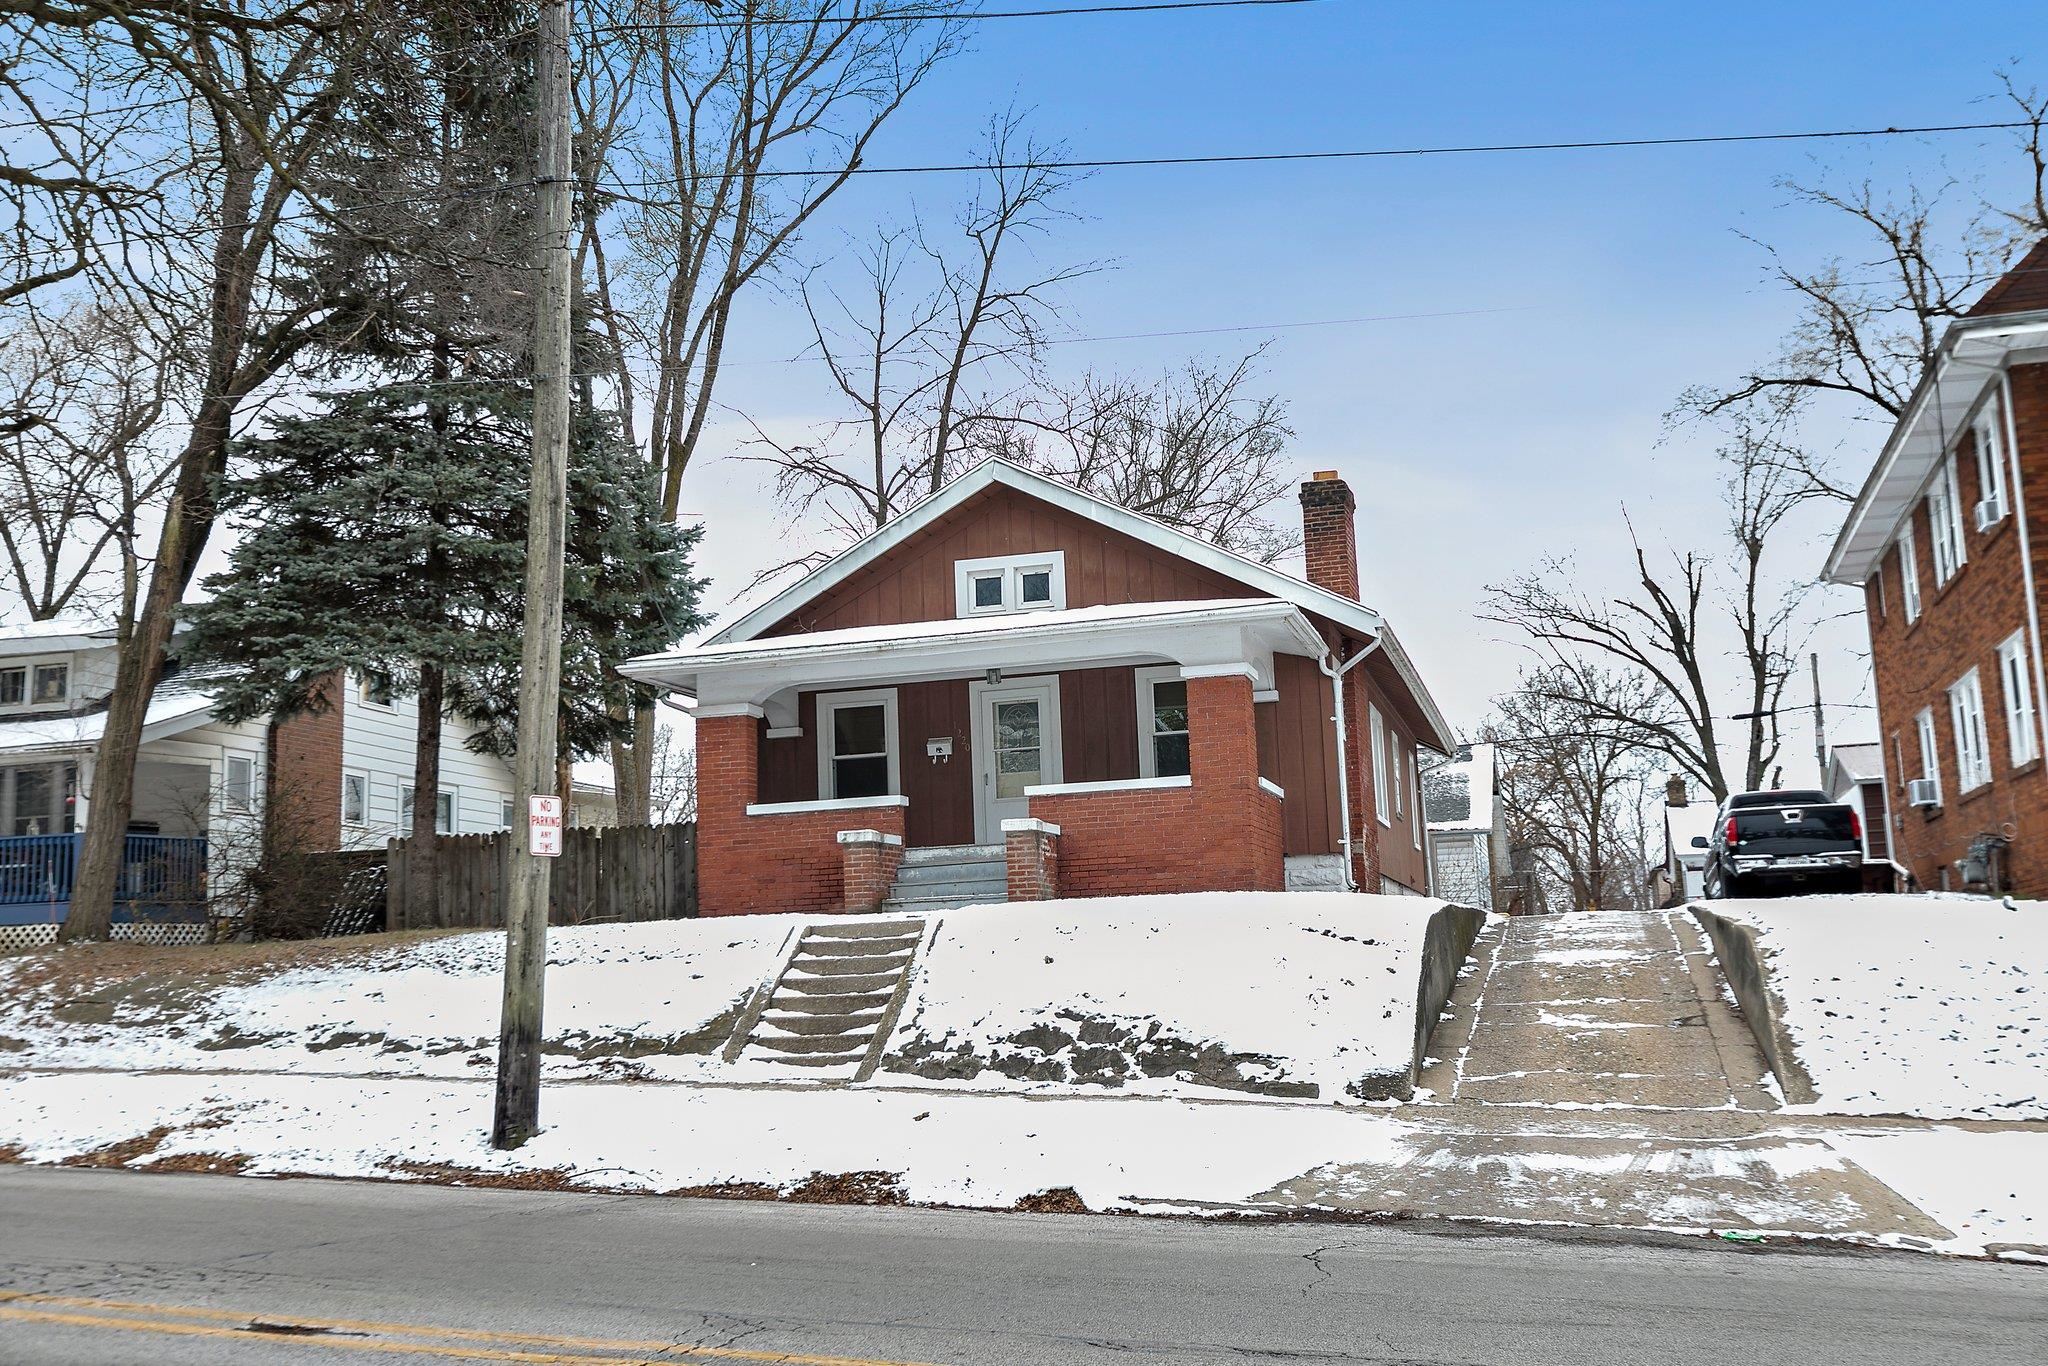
630 872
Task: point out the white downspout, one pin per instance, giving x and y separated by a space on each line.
1336 677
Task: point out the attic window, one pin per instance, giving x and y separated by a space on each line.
1011 583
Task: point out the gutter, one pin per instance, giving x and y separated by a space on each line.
1325 663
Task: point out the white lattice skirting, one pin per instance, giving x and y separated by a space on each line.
15 938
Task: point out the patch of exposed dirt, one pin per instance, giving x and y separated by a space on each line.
206 1164
708 1037
847 1188
1058 1200
122 1153
11 1153
82 970
449 1174
1085 1050
729 1190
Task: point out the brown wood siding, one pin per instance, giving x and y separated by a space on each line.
1400 859
914 582
1875 831
1305 752
789 768
1098 725
941 794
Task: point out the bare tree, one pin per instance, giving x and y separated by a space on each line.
734 127
927 350
1200 450
86 389
1665 631
1574 783
675 779
1866 330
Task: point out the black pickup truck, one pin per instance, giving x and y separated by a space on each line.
1789 841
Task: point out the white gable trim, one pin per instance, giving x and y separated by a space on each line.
1354 617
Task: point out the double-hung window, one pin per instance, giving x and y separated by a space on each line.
444 812
1162 723
1966 711
355 799
1945 522
1415 801
35 685
238 783
1378 730
1989 436
2015 677
1010 583
1930 759
857 752
1909 573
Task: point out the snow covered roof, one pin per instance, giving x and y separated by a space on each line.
1849 765
1460 795
170 713
58 634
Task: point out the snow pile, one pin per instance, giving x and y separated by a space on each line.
1990 1189
1286 995
655 999
1928 1006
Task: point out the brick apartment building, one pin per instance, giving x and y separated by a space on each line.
1947 541
1016 690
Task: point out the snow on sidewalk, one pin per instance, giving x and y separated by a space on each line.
1935 1007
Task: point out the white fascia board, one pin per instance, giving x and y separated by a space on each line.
1443 739
746 677
1970 357
1354 617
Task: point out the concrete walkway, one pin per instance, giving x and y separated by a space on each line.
1591 1069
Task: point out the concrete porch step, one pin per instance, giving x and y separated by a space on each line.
850 966
857 948
793 979
796 1003
802 1025
902 927
952 853
830 1008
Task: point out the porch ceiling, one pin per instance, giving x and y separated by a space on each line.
1217 632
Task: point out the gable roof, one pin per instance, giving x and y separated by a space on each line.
2022 289
1354 617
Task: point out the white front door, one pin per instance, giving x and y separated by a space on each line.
1016 745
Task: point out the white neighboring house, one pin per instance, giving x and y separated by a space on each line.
201 785
1685 866
1468 833
1856 778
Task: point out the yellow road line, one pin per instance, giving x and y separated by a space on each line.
511 1351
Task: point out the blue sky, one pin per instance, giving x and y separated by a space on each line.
1478 444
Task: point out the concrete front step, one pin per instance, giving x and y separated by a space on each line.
978 870
856 948
812 1043
866 929
794 980
796 1003
802 1060
802 1024
848 967
966 890
952 853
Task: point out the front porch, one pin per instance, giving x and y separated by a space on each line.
161 895
1103 751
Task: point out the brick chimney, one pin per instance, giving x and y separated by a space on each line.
1675 793
1329 538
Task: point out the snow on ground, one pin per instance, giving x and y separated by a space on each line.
1989 1189
979 1150
1297 995
657 998
1927 1006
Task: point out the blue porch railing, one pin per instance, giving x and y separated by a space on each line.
160 875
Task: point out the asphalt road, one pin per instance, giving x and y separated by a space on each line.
102 1268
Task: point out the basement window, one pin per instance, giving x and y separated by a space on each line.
1010 583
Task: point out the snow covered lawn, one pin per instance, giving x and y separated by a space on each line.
1989 1189
1927 1006
1289 995
655 999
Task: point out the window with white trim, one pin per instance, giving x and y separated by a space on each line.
238 783
2015 677
1989 437
376 689
34 683
1010 583
1415 806
1945 522
444 811
1162 722
1909 573
1966 712
506 810
857 749
1394 768
1930 760
1378 731
355 799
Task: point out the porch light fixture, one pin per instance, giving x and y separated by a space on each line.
994 676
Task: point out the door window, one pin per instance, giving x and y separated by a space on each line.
1019 746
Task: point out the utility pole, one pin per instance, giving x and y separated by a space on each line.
1820 727
517 1116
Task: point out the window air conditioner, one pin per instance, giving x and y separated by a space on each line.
1990 512
1923 792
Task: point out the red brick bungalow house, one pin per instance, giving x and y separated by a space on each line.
1947 539
1017 689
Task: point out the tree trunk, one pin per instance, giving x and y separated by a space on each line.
423 849
633 768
